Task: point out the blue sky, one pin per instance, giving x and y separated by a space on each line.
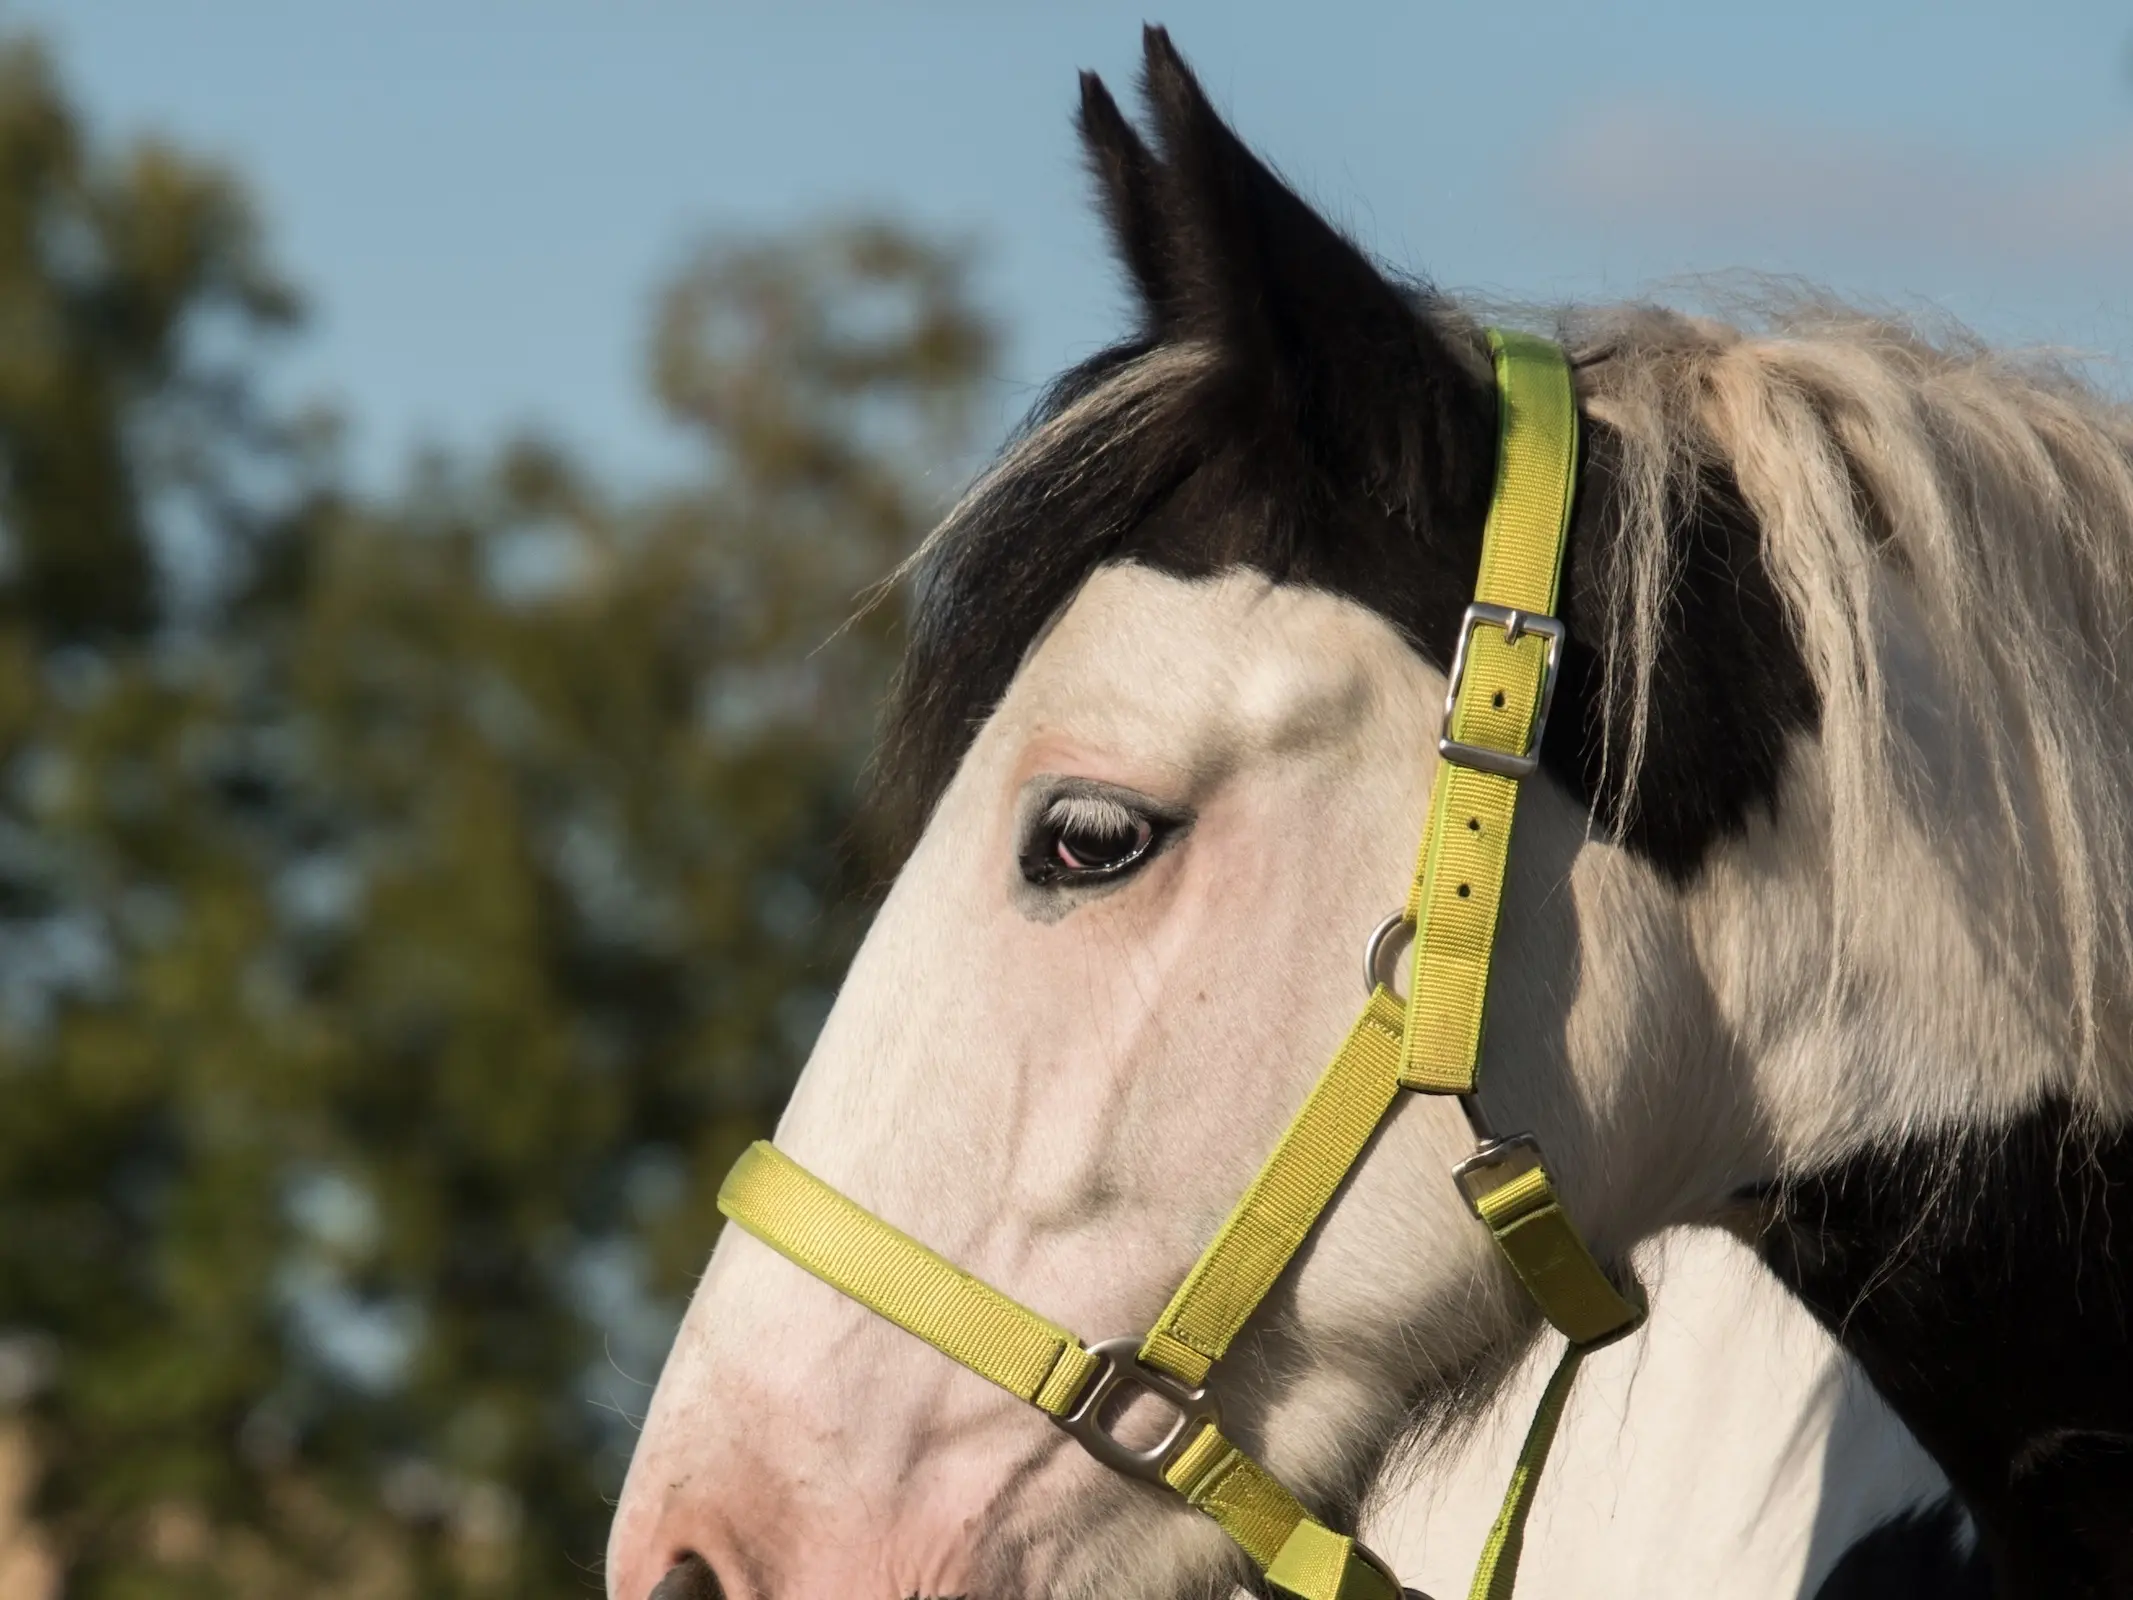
480 195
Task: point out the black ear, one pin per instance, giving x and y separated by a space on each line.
1225 253
1125 177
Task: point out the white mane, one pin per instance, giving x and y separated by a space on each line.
1952 531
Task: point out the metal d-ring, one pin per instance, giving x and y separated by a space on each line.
1377 966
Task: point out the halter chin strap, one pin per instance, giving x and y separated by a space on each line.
1502 680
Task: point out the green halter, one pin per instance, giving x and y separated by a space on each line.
1502 680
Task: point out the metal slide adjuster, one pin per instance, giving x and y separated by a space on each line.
1515 624
1493 1165
1119 1367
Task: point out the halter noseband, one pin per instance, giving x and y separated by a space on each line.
1502 681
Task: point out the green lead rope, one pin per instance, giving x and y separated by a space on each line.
1497 1572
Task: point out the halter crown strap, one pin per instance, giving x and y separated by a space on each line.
1502 679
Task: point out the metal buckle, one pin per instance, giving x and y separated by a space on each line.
1520 1152
1515 624
1119 1367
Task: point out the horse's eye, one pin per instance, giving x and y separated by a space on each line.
1079 847
1084 837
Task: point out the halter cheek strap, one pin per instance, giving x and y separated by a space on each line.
1502 680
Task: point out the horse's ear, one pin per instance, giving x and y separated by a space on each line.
1227 254
1125 176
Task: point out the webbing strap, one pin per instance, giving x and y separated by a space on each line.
1458 883
893 1275
1287 1198
1548 1253
1299 1555
1461 867
781 1203
1497 1571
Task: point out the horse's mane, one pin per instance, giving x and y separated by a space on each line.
1999 488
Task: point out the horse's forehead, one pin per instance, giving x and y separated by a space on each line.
1235 661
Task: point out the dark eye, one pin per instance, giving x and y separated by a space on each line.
1084 837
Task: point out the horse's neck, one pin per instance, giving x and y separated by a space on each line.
1987 1289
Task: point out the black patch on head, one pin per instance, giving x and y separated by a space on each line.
1921 1555
1984 1282
1338 431
1728 689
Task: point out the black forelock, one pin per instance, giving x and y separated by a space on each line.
1193 488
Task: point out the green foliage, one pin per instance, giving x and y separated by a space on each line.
406 909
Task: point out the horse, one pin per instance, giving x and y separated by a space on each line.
1816 926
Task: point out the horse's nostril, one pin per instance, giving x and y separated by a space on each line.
690 1578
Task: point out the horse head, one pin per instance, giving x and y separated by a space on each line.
1165 735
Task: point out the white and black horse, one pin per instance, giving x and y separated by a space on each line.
1818 922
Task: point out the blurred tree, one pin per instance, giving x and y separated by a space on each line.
110 276
406 909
